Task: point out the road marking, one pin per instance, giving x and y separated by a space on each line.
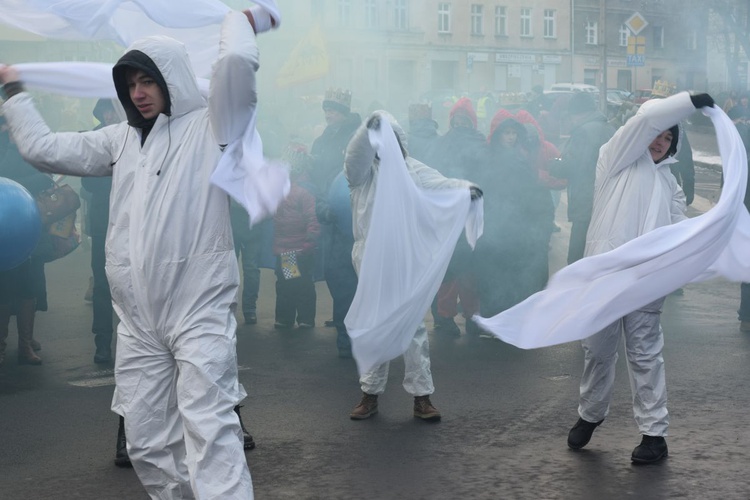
103 378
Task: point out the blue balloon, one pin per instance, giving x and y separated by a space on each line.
20 224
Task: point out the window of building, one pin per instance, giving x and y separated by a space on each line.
444 18
345 12
592 32
501 21
624 34
317 8
526 22
371 13
400 15
659 37
477 19
693 40
550 23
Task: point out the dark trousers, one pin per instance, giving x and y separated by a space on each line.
247 247
744 312
296 298
342 283
101 299
577 240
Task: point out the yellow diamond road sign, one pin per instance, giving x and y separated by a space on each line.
636 23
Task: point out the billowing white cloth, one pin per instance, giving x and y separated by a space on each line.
255 183
410 239
586 296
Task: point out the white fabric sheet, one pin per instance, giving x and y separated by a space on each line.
586 296
410 241
255 183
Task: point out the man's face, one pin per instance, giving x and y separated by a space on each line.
333 116
660 145
145 94
461 120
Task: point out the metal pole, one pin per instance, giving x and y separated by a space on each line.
603 56
572 39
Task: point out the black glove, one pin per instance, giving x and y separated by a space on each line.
374 122
702 101
475 192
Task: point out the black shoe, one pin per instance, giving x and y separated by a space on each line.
121 451
103 355
251 319
651 450
330 323
283 326
447 326
248 441
305 326
580 435
472 328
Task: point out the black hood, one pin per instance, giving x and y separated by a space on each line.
138 60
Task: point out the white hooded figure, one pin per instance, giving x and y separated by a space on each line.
635 193
170 257
362 169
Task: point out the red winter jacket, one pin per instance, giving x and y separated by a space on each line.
296 227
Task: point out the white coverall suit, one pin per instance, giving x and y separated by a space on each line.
361 170
171 265
633 196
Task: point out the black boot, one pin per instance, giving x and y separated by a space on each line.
121 451
651 450
103 353
580 435
248 441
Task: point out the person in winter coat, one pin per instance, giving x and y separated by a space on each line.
361 169
684 169
458 154
23 289
423 131
577 163
635 193
170 264
296 232
511 258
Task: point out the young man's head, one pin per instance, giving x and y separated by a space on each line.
141 88
145 93
665 144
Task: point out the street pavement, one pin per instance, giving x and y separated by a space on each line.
506 412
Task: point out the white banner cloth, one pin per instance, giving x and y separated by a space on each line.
593 292
258 185
411 238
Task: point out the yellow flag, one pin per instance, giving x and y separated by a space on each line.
308 60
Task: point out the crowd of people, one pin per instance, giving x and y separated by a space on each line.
166 242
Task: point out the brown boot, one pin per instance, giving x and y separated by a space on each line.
25 321
366 408
423 409
4 320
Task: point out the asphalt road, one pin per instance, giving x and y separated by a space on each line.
506 413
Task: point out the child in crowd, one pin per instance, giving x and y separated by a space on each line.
295 238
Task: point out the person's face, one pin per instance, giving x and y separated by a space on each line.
333 116
660 145
508 137
145 94
461 120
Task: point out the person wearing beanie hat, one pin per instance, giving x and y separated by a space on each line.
170 257
635 192
457 155
589 131
422 131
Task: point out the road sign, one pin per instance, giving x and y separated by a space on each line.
469 63
636 23
636 51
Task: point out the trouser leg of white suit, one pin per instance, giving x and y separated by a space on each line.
644 341
598 379
417 373
198 374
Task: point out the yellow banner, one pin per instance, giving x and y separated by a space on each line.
308 60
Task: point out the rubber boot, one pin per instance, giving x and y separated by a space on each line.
25 322
247 439
4 320
122 459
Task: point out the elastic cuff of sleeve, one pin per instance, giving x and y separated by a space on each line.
262 19
12 88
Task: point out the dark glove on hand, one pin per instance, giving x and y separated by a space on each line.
702 101
475 192
374 122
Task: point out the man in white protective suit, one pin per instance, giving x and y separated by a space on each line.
635 193
170 259
361 169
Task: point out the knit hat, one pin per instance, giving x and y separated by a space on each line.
420 112
338 100
464 106
296 155
580 103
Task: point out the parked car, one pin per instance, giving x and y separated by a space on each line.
574 87
641 95
618 96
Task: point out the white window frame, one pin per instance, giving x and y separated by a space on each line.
550 23
477 19
592 33
444 17
371 13
659 37
526 27
401 14
624 33
501 20
345 12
